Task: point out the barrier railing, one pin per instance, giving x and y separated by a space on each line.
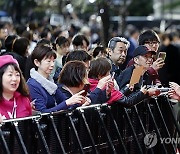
95 129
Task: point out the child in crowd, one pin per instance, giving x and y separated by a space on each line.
14 95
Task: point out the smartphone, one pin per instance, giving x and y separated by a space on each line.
162 55
86 89
112 76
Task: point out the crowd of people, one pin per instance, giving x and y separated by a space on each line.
48 69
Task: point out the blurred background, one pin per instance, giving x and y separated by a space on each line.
106 18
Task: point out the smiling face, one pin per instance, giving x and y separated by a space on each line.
145 60
10 80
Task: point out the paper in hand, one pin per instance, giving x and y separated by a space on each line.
137 73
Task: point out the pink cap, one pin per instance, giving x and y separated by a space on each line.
7 59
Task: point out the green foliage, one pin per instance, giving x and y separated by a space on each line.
2 3
140 7
172 5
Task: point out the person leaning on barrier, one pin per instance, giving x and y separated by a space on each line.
142 57
174 93
100 68
43 91
14 94
151 40
72 77
80 55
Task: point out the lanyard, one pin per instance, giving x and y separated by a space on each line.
13 113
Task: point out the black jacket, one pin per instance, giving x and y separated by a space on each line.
124 78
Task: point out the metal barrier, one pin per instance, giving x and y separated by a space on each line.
95 129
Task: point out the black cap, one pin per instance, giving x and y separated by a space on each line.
142 50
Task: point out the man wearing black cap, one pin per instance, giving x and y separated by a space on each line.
143 57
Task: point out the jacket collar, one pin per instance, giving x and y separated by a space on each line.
47 84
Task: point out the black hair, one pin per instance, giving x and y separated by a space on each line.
23 89
20 46
148 35
99 67
73 74
78 40
99 49
61 41
43 41
80 55
9 42
43 51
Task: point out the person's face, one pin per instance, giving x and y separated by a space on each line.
145 60
3 33
118 56
153 45
10 80
82 47
63 50
46 66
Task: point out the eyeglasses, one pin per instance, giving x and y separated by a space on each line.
151 43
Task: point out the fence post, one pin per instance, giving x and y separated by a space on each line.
3 142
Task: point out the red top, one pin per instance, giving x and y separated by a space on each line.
23 108
115 94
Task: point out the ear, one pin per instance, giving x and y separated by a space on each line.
136 60
110 52
57 46
36 62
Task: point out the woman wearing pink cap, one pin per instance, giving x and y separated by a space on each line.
14 95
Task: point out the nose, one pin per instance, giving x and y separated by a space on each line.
52 63
14 77
123 53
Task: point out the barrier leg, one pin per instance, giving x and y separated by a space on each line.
19 138
141 123
3 143
57 134
156 127
117 129
106 131
75 132
133 131
165 126
42 138
173 117
88 129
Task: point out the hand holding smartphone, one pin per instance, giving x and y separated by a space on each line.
112 76
162 55
86 89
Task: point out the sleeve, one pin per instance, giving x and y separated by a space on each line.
97 96
121 81
132 99
154 75
28 106
41 101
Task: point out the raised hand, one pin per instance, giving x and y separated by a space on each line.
159 63
175 87
76 99
102 82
